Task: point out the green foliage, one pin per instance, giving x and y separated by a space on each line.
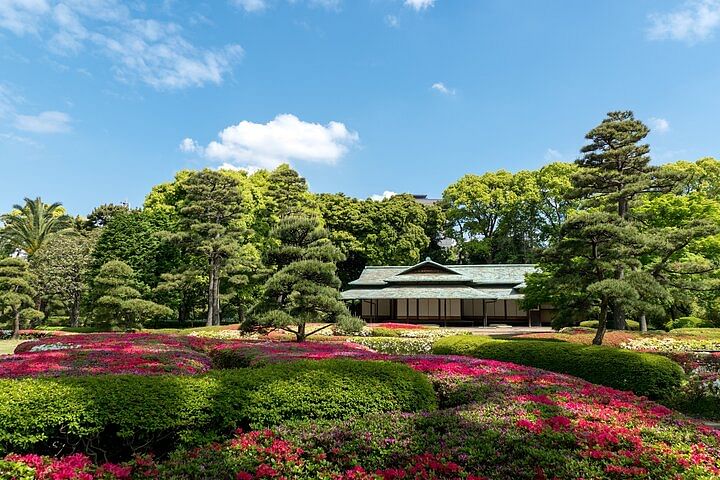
213 222
118 414
16 471
646 374
503 217
349 325
131 236
288 194
16 293
709 333
395 231
31 224
102 215
687 322
305 287
384 332
610 258
631 324
61 267
117 301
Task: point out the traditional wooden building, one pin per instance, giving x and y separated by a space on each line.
478 295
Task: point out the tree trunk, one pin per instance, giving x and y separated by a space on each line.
183 311
602 324
643 323
619 310
16 325
216 295
300 334
75 312
211 296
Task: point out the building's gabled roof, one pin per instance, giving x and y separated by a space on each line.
476 275
428 267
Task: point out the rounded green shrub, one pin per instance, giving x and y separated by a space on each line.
646 374
384 332
123 413
631 324
687 322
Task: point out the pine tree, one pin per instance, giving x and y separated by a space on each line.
305 287
117 300
212 224
614 170
288 193
17 292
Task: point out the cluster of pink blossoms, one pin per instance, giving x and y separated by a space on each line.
97 354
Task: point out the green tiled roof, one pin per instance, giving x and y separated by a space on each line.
460 291
504 274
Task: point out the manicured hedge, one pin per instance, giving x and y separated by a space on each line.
120 413
709 333
688 322
631 324
646 374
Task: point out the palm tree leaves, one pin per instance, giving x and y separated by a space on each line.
29 225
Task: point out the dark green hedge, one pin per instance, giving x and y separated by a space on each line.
122 413
643 373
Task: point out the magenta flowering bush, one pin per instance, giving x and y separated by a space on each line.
113 353
496 420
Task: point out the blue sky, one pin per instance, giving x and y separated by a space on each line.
100 100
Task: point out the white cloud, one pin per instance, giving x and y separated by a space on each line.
45 122
11 137
392 21
440 87
188 145
383 196
695 21
251 5
146 50
419 4
22 16
284 139
552 155
659 125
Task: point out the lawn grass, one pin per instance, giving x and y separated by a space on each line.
7 347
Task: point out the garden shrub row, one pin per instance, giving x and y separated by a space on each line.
646 374
120 414
708 333
631 324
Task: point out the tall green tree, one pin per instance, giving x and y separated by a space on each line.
17 293
101 216
117 300
614 170
132 237
28 226
305 288
288 194
213 222
61 267
578 273
395 231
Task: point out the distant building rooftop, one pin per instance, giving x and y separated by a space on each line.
424 200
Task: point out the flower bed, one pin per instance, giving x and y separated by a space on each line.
250 354
97 354
497 420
